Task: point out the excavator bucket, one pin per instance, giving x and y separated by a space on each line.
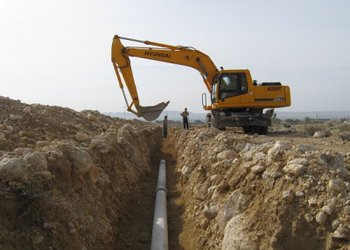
151 113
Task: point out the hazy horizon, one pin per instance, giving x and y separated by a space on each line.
175 115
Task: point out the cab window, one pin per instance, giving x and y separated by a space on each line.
213 92
232 84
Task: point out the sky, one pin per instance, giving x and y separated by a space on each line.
58 52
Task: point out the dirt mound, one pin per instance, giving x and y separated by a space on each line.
256 192
66 177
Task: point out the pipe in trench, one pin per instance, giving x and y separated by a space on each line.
160 222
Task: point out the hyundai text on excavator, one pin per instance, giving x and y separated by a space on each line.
236 100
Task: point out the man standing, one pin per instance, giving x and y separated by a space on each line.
165 126
185 115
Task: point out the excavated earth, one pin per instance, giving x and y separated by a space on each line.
83 180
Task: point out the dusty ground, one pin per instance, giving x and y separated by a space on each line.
82 180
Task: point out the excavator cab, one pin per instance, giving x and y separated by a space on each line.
229 84
232 84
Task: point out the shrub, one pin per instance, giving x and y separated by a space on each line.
344 127
311 128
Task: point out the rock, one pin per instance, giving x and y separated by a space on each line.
203 135
271 175
210 211
258 169
46 175
260 157
91 117
248 152
211 190
240 146
100 145
312 202
300 161
235 237
27 110
186 171
9 128
54 153
299 194
80 137
15 117
288 196
335 224
308 217
321 134
41 144
341 233
228 154
213 178
126 131
81 160
335 185
236 204
321 217
36 161
200 192
22 151
295 169
13 169
327 209
278 147
2 135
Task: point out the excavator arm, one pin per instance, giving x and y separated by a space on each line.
181 55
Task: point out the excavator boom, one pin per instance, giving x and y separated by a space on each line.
180 55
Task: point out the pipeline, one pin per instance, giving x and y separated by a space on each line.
160 221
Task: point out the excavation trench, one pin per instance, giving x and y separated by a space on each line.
136 225
83 180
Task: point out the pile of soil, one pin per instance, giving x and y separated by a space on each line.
66 177
263 192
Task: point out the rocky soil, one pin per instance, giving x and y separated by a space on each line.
83 180
66 177
264 192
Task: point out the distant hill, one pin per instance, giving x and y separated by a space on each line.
332 115
175 115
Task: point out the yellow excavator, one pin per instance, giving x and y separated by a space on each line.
236 100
